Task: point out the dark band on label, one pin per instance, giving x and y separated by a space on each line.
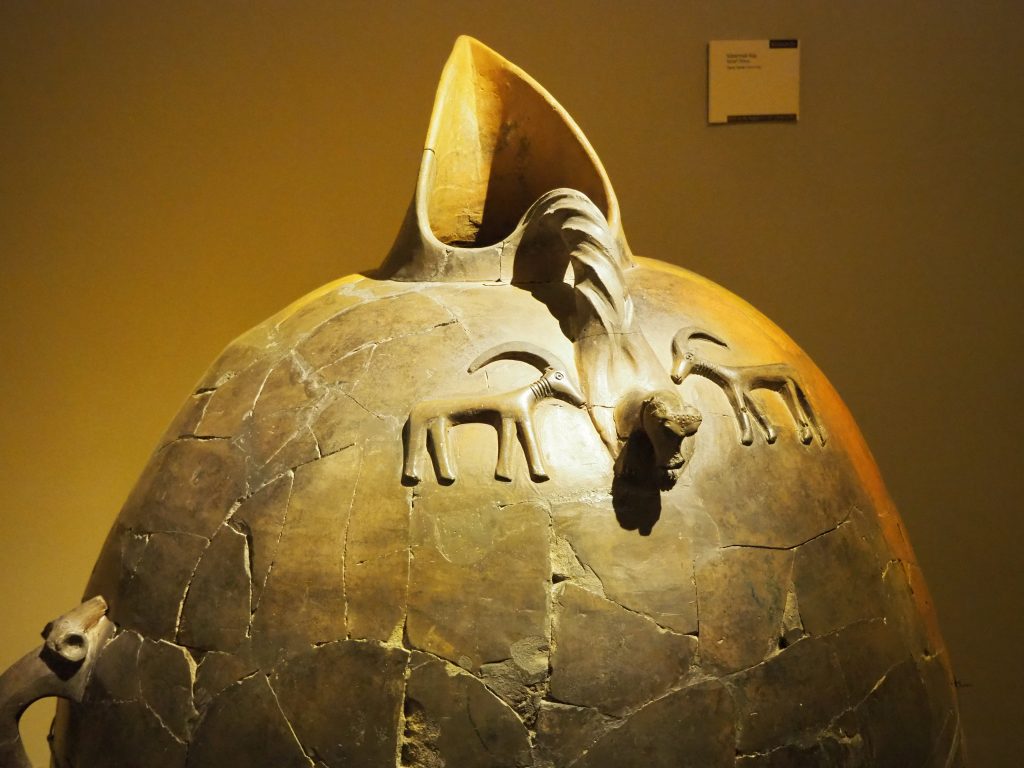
779 118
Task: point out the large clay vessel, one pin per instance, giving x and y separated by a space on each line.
519 499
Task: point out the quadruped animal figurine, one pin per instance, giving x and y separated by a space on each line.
738 383
510 412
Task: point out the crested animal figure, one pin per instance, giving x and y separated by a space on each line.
628 392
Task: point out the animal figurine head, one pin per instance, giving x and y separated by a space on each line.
68 637
554 381
668 421
683 357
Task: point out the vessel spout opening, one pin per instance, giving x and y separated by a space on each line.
499 142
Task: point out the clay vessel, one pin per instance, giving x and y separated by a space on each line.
520 498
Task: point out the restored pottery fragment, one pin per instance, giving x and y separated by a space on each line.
519 498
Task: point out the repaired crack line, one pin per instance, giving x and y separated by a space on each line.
832 529
288 722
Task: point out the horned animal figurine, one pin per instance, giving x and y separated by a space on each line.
510 413
738 382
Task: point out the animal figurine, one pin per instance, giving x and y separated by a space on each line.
62 666
738 382
510 412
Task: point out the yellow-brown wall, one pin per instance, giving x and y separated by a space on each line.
171 174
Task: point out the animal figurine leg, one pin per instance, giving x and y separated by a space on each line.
812 417
808 411
736 400
531 449
415 448
506 443
788 392
755 409
442 451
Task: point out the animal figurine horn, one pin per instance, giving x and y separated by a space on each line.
524 351
737 382
511 412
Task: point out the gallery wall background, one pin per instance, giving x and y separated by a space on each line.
171 174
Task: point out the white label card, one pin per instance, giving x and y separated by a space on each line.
753 81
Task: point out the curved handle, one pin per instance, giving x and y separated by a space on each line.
61 666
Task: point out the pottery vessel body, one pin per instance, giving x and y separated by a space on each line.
372 538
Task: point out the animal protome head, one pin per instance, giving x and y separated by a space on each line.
668 421
683 357
563 387
555 380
